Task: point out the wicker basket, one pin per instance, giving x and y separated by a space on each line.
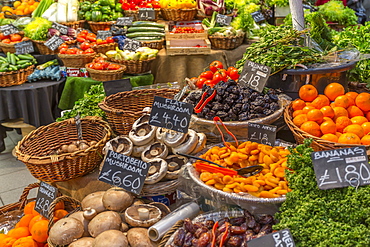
14 78
160 188
96 26
76 60
226 43
74 24
44 50
37 148
135 14
178 14
317 143
106 75
8 47
104 48
154 44
124 108
135 66
10 15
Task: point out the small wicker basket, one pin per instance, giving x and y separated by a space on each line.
135 14
76 60
36 149
9 47
44 50
160 188
14 78
135 66
179 14
154 44
106 75
226 43
124 108
96 26
104 48
74 24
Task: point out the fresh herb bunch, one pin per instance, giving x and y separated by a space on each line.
337 217
88 105
335 11
280 3
279 48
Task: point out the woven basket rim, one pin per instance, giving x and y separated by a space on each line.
152 41
18 71
39 41
110 72
131 61
72 22
104 45
101 22
172 10
227 38
76 55
12 45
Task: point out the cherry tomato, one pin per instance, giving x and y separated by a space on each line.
217 78
91 37
223 74
200 82
110 40
98 66
113 66
207 74
216 65
234 74
210 83
80 39
85 45
63 50
90 50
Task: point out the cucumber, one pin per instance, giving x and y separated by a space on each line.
145 29
147 38
3 59
23 61
147 24
25 57
12 67
144 34
12 59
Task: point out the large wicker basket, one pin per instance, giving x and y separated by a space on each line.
74 24
76 60
135 14
124 108
317 143
37 149
226 43
14 78
44 50
178 14
135 66
106 75
154 44
9 47
96 26
104 48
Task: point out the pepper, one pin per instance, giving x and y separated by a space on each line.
103 2
214 228
112 3
118 7
224 236
88 16
214 169
96 16
81 14
95 6
105 9
117 15
85 6
105 17
203 101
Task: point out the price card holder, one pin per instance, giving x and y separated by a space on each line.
8 29
171 114
146 14
262 133
223 19
131 45
254 75
258 16
61 28
103 35
45 196
54 42
124 171
281 238
339 168
124 21
78 126
24 47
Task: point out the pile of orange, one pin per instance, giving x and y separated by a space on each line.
23 7
32 229
335 116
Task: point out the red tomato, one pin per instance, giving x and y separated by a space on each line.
98 66
15 37
217 78
207 74
223 74
110 40
80 51
90 65
215 65
63 50
83 33
104 64
85 45
234 74
6 41
91 37
2 36
64 45
113 66
200 82
80 39
72 51
99 60
210 83
101 42
90 50
156 4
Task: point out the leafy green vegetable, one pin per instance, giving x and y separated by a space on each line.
337 217
280 3
244 19
37 29
335 11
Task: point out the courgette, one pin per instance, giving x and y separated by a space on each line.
26 57
13 67
12 59
147 38
144 34
3 59
147 24
145 29
23 61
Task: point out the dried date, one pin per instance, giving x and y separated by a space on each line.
204 239
189 226
237 230
179 237
188 238
266 219
209 224
200 231
234 241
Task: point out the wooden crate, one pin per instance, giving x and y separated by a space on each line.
186 47
179 36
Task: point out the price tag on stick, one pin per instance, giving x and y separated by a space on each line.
258 16
281 238
171 114
54 42
131 45
254 75
339 168
24 47
61 28
124 171
45 196
124 21
8 29
223 19
262 133
103 35
146 14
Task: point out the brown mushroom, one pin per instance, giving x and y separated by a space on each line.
202 140
120 144
157 171
174 163
143 215
143 119
142 134
156 150
173 138
160 134
188 145
163 207
138 150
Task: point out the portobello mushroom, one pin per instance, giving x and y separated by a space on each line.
142 134
202 140
155 150
143 119
173 138
174 164
188 145
143 215
138 150
120 144
157 170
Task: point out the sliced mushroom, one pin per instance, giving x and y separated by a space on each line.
174 164
202 140
156 150
120 144
174 138
188 145
160 134
143 119
157 170
143 215
138 150
142 134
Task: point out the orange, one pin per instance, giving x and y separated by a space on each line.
359 120
311 128
366 127
320 101
16 4
354 111
338 134
349 138
32 8
60 213
300 119
25 242
39 231
19 232
333 90
328 127
363 101
25 220
7 242
330 137
355 129
342 122
308 92
352 95
36 219
315 115
342 101
3 236
28 209
367 115
365 140
59 205
298 104
19 12
339 112
297 112
307 109
327 111
328 119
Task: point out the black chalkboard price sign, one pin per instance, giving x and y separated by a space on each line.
146 14
124 21
103 35
124 171
171 114
258 16
45 196
262 133
281 238
61 28
24 47
131 45
340 168
8 29
254 75
223 19
54 42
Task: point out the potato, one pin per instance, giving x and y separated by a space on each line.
108 220
83 242
117 199
138 237
65 230
111 238
94 200
79 216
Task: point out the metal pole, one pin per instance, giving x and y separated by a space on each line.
296 8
